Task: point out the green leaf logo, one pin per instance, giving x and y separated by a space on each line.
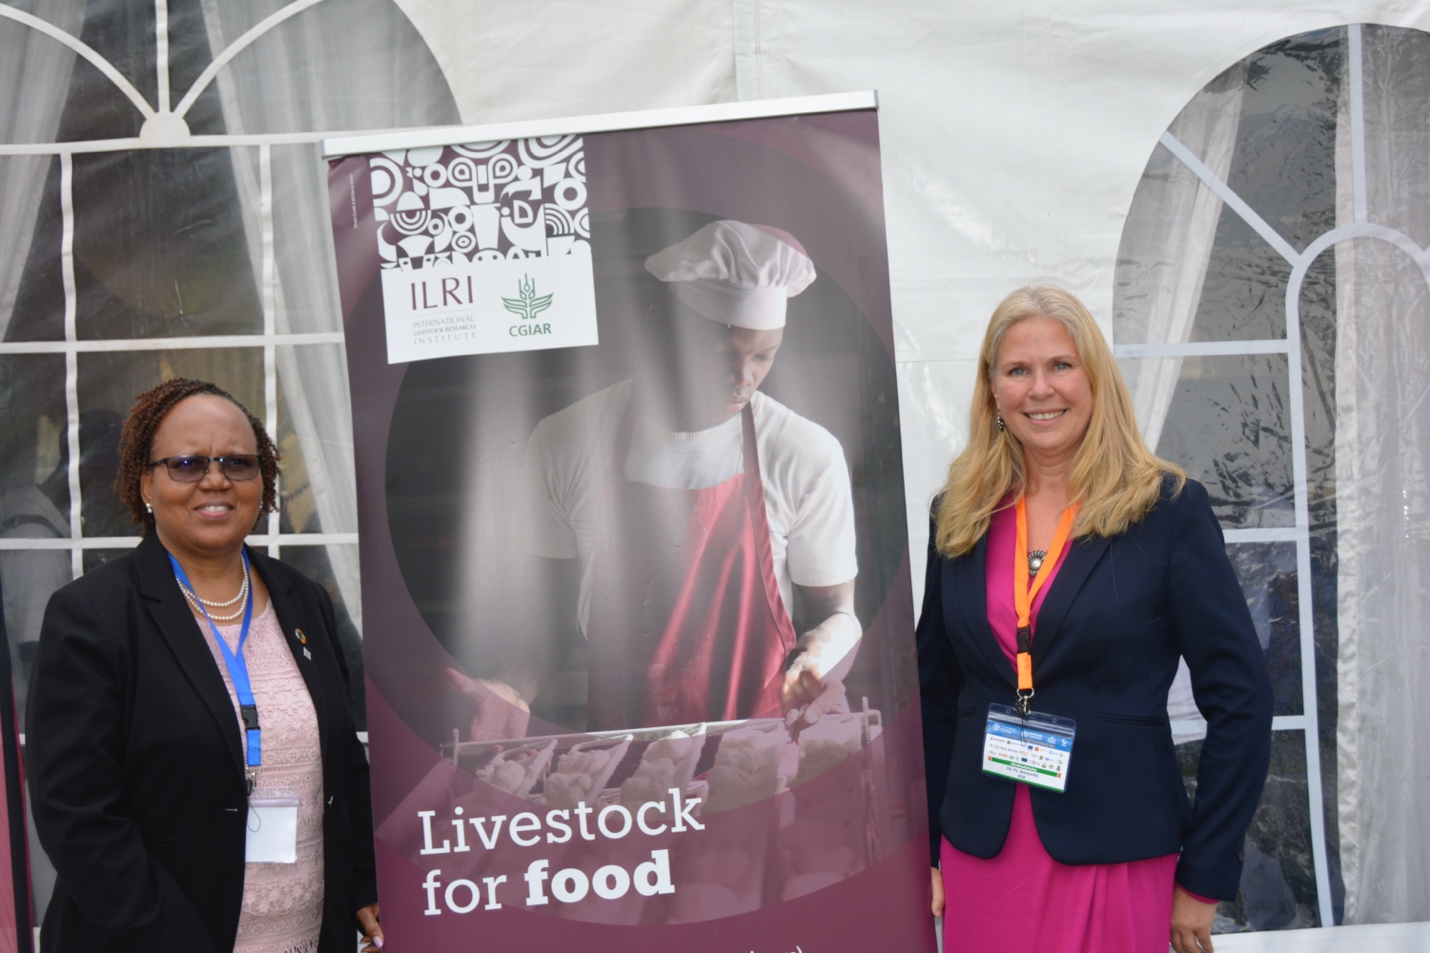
527 305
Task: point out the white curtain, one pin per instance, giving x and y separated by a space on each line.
34 72
307 74
1383 492
1166 246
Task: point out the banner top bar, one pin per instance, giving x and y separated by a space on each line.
604 122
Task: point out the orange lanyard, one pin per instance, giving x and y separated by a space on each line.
1024 593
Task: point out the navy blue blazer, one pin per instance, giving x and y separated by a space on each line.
1116 618
136 765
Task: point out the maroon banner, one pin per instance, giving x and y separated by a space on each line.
15 900
637 613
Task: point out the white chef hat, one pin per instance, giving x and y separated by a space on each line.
734 273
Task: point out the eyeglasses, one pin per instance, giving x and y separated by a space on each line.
191 469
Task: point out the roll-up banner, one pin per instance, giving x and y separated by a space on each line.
638 624
15 899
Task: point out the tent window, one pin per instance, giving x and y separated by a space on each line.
1271 315
209 261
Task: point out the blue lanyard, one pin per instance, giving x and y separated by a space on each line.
237 670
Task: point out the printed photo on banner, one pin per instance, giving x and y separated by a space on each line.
638 622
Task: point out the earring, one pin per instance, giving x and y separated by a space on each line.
149 508
1001 426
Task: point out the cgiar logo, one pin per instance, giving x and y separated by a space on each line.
527 305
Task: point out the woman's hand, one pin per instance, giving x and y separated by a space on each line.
938 897
371 929
1191 923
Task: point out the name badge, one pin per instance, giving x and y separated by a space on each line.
1034 750
272 831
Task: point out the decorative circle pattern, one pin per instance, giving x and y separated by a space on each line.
488 201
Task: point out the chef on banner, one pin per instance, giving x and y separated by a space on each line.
683 512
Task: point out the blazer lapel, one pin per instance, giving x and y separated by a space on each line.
972 596
293 620
1082 558
186 640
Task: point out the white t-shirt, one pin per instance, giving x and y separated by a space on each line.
808 499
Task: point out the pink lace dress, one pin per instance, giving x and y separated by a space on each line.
282 903
1022 900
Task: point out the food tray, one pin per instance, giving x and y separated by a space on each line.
615 750
533 757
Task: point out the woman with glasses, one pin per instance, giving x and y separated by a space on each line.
195 774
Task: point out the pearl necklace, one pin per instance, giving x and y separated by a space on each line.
194 601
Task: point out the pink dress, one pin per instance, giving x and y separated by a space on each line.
1022 899
282 908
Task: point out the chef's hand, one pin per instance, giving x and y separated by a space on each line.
814 672
499 711
810 690
938 898
1191 923
371 929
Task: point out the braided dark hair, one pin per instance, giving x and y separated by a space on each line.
136 442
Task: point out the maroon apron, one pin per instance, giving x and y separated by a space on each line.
686 622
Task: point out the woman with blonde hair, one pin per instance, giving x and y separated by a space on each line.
1069 569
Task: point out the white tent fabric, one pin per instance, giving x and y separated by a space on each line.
574 58
1011 144
1014 137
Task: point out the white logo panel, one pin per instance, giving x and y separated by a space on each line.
449 309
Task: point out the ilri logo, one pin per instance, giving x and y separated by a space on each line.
527 305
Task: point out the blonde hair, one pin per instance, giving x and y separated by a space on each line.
1113 473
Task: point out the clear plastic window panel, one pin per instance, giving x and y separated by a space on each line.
1323 136
1284 163
317 493
1278 882
1228 425
1267 572
160 247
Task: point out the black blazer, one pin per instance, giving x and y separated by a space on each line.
1105 650
136 772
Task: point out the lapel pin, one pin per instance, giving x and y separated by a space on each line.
302 639
307 655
